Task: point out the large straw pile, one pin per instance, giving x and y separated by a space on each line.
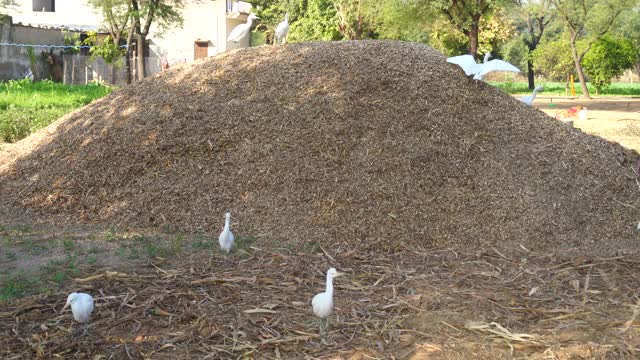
358 142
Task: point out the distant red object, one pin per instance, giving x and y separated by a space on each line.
571 112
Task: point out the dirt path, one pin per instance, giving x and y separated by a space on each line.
615 119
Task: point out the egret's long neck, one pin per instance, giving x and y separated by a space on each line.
486 57
329 286
249 21
227 221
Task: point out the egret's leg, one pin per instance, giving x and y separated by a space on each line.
86 328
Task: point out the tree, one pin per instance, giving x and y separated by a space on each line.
465 15
495 30
553 59
630 29
318 22
117 17
609 58
354 22
534 18
409 20
589 20
271 13
164 13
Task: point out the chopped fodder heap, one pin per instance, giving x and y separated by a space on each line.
369 143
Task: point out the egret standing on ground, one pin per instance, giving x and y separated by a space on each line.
479 71
81 307
226 236
322 303
282 30
241 31
529 98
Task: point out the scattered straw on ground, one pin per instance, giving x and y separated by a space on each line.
403 306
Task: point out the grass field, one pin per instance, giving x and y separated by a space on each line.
26 107
557 88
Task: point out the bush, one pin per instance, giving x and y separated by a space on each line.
607 59
552 59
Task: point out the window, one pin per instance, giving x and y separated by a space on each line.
44 5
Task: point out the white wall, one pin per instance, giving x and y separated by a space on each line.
68 12
200 24
204 20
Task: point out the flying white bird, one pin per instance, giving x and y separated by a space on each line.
241 31
479 71
322 303
226 236
529 98
468 63
283 29
81 307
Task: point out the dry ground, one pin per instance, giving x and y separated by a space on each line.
187 301
615 119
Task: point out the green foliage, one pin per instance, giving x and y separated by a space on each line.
608 58
495 31
516 52
408 20
448 39
558 88
106 49
165 14
26 107
553 59
354 21
630 25
320 22
71 39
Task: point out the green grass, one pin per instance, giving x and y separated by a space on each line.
16 285
26 107
557 88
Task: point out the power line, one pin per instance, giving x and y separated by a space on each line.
52 46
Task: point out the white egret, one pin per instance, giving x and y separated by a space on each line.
241 31
322 303
81 307
479 71
226 236
468 63
282 30
529 98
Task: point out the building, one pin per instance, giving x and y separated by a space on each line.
207 24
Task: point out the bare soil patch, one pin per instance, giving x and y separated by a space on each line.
615 119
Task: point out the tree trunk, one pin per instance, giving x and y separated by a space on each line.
530 74
576 60
127 64
140 40
472 34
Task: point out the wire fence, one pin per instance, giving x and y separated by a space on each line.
82 69
59 65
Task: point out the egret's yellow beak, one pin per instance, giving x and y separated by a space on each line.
339 274
64 307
